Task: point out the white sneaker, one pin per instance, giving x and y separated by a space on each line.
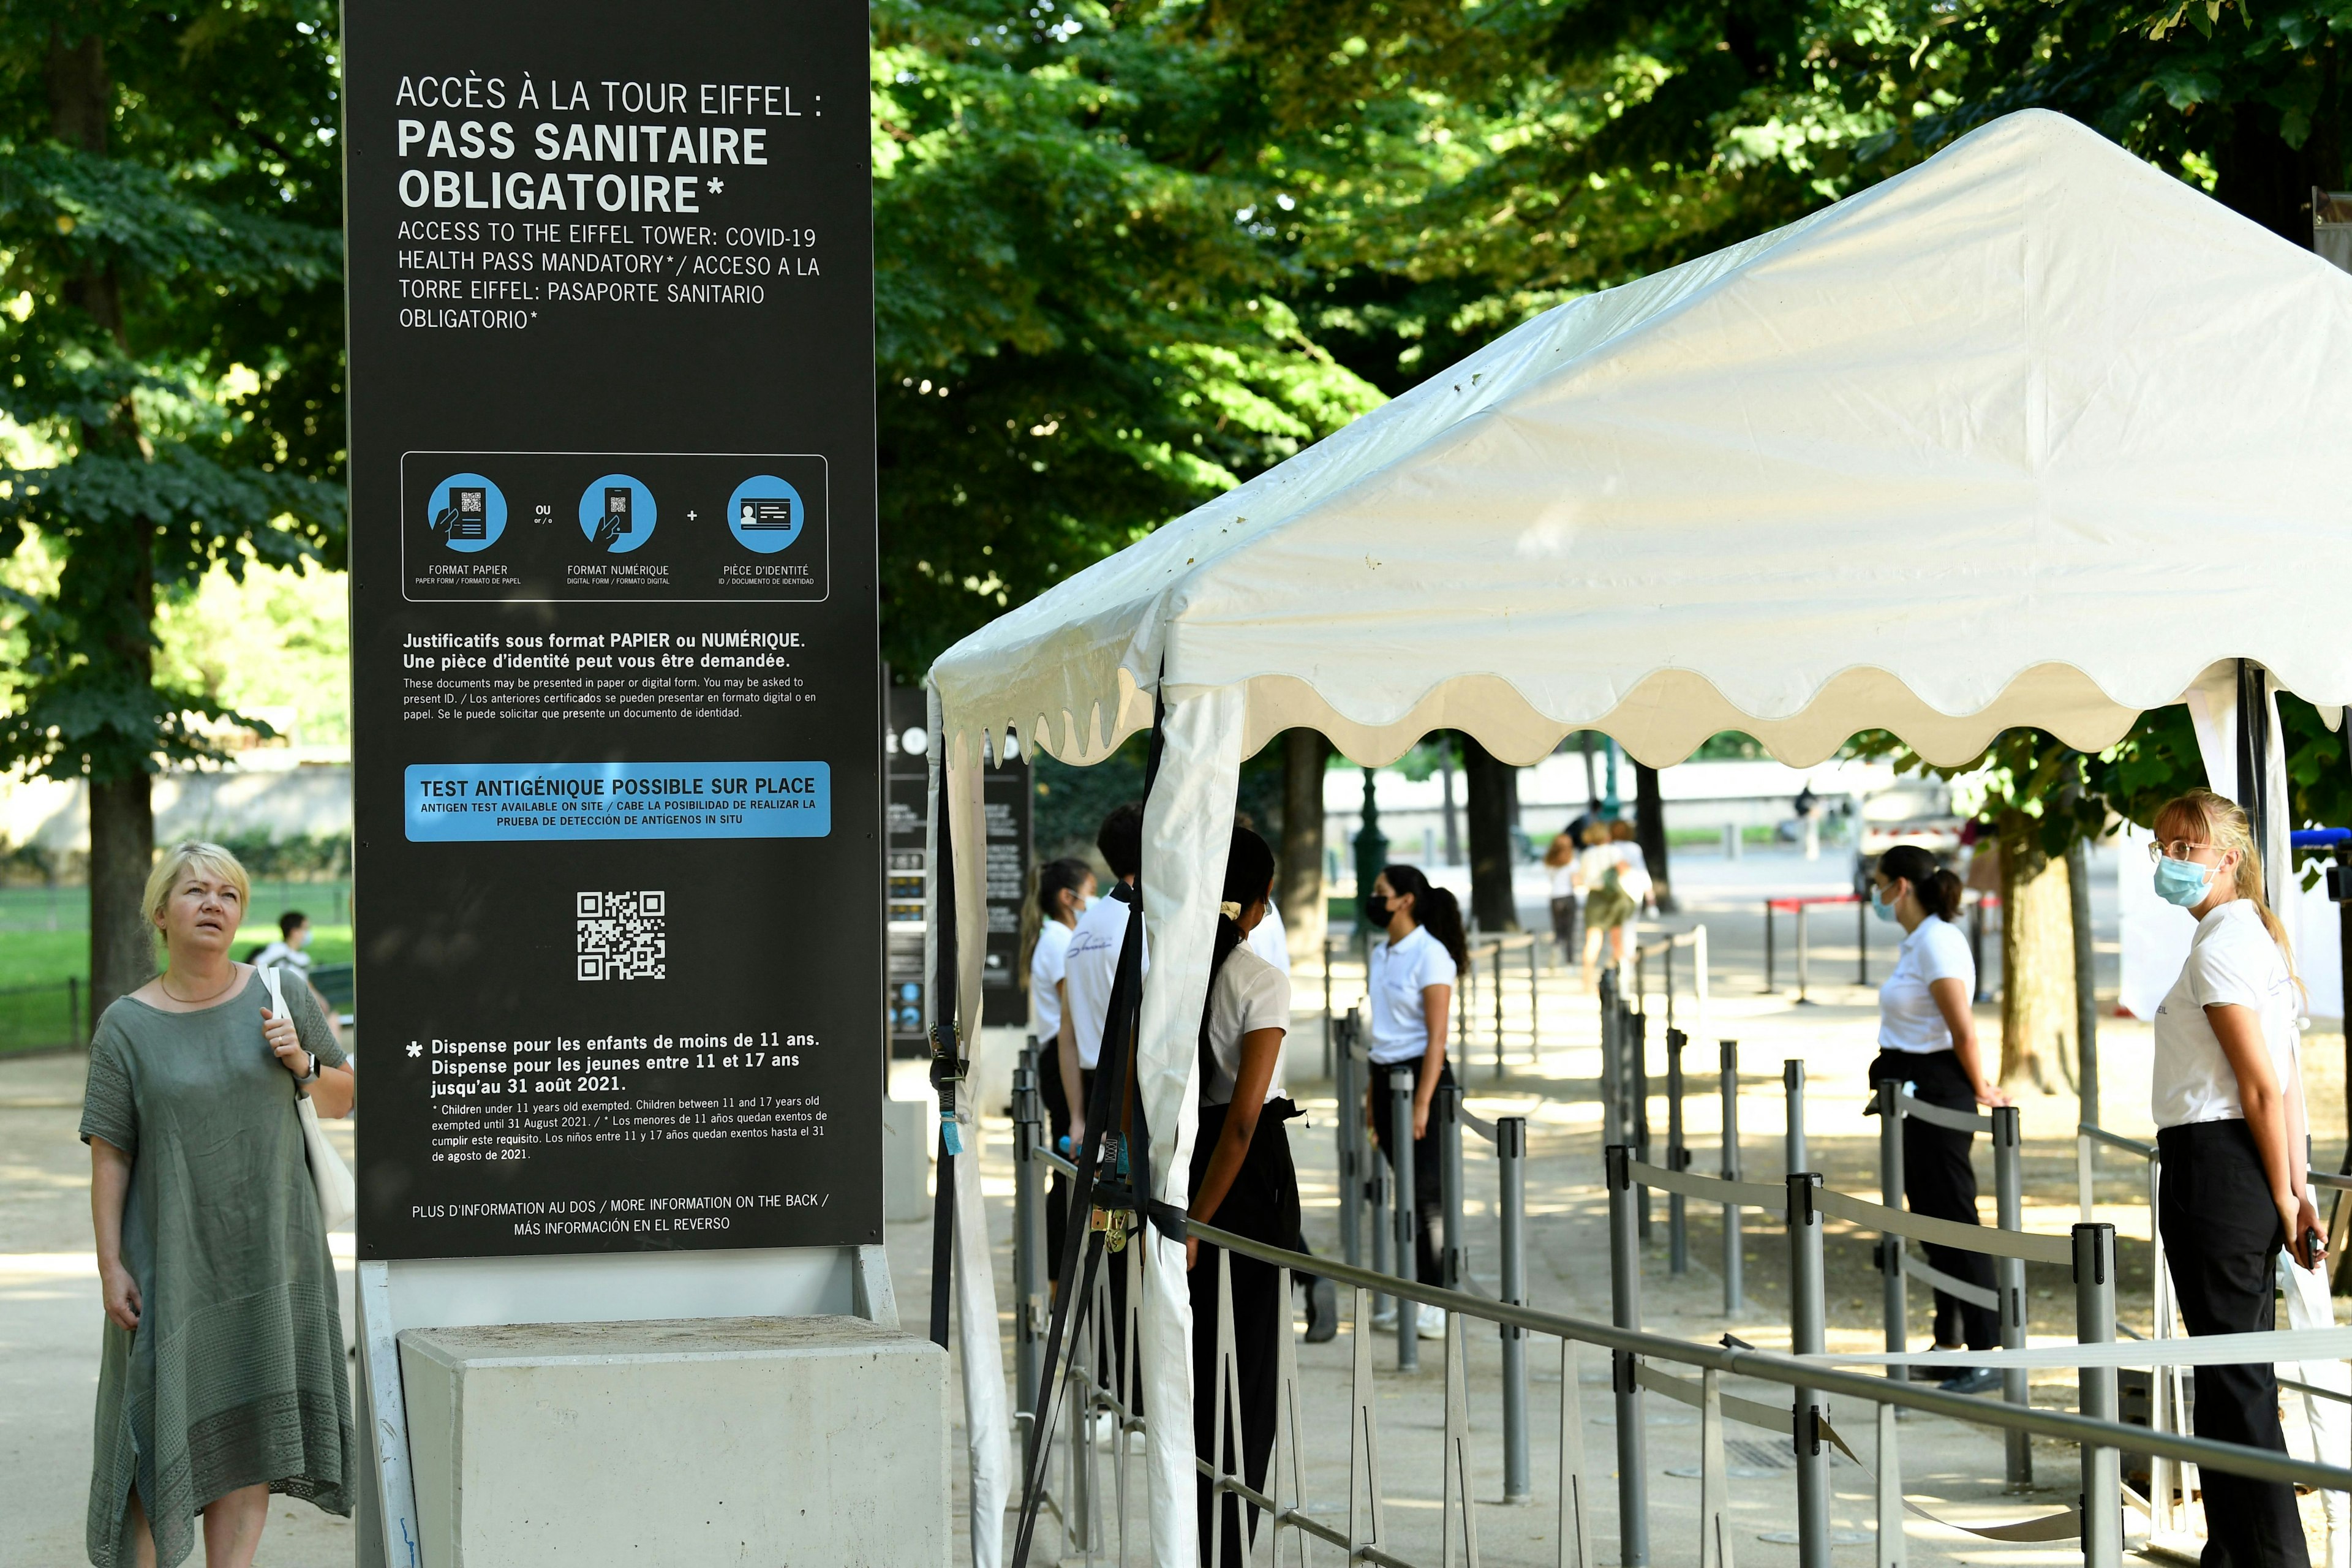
1433 1323
1385 1318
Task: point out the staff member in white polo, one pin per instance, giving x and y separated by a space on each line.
2227 1100
1089 968
1411 985
1063 889
1928 1039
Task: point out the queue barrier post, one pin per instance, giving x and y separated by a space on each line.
1400 1156
1498 1012
1802 1000
1735 1288
1511 1157
1792 1078
1348 1135
1896 1309
1807 1325
1535 1006
1677 1157
1328 1066
2094 1323
1625 1312
1445 1113
1612 1059
2009 1283
1638 1037
1029 1310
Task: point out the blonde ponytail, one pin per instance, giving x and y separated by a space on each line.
2222 824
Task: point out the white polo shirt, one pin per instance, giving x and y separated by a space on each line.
1044 974
2231 961
1400 972
1269 940
1250 994
1908 1018
1090 965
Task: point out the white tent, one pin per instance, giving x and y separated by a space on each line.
2030 434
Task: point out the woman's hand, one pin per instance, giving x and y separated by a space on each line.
1420 1118
279 1031
2299 1219
1191 1252
1993 1094
121 1293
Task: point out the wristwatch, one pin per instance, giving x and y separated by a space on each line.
313 1075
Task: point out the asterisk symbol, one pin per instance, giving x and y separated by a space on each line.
718 185
415 1049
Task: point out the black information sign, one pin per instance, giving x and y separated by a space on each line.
614 624
1005 797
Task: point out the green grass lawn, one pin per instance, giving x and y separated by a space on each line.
50 957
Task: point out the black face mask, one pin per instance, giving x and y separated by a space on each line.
1376 911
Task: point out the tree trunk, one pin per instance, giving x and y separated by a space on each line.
2037 954
2258 174
1649 832
122 851
1298 890
1492 903
121 811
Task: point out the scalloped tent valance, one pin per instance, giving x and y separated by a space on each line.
2032 434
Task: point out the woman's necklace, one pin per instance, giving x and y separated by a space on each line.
165 981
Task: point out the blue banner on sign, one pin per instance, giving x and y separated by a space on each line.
475 803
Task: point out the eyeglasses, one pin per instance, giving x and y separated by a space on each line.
2178 849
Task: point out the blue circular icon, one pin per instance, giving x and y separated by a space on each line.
466 513
616 513
765 514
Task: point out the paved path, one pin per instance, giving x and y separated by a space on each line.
49 1311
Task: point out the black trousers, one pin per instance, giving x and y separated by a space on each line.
1263 1204
2221 1237
1057 1127
1428 1196
1564 912
1939 1181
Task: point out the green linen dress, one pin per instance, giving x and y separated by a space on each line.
236 1374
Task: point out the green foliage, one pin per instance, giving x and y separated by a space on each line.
1078 339
171 330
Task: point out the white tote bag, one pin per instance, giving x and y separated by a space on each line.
337 1196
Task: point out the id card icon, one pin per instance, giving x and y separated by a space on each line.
471 507
766 515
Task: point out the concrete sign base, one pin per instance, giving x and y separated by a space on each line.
819 1440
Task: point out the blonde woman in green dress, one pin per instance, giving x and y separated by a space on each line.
222 1377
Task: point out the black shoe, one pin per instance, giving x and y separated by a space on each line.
1322 1312
1976 1380
1934 1374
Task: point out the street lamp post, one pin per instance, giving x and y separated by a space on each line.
1371 857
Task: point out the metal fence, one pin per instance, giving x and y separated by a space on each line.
44 1017
1100 1415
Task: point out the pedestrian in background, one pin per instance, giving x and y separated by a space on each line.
1928 1040
2227 1098
1065 887
1559 860
1241 1181
222 1376
1411 997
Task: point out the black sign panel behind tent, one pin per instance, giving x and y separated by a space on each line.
614 624
1006 791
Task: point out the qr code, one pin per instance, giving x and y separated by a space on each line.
623 936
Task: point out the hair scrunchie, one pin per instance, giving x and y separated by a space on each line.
1230 910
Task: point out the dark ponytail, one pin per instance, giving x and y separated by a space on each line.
1249 877
1435 909
1058 877
1938 889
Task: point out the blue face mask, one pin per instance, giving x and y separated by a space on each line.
2183 882
1879 906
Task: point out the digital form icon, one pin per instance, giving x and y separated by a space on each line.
617 513
466 513
766 514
